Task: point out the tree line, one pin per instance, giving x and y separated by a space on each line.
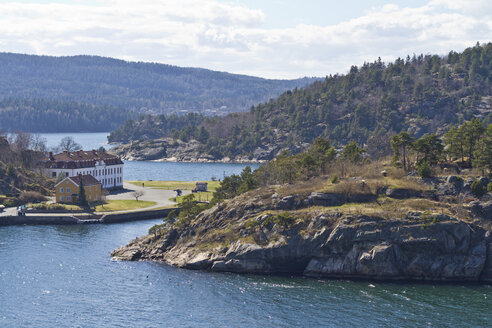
468 145
420 94
41 115
139 86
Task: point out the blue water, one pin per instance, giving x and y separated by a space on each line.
140 170
137 170
63 276
88 141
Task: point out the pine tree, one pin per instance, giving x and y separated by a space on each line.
82 196
400 144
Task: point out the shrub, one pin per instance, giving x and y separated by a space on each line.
31 197
157 229
171 217
477 188
334 179
424 169
284 220
489 187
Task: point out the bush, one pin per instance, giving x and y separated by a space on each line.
334 179
171 217
424 169
477 188
285 220
489 187
31 197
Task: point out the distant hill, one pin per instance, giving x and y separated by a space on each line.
74 82
41 115
419 94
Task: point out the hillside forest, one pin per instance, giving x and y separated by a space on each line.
90 93
419 94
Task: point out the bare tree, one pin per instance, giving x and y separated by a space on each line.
69 144
38 143
137 194
22 141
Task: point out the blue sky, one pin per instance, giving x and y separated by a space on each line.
274 39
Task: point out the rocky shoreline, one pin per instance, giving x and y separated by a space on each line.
254 233
171 150
361 247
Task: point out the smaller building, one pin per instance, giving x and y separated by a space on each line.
201 186
67 190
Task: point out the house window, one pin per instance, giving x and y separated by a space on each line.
61 190
68 189
68 198
53 174
66 173
61 198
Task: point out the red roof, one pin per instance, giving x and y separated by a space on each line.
79 159
87 180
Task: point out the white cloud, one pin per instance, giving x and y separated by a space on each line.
232 38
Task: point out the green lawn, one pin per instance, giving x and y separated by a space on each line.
171 185
199 196
123 205
107 206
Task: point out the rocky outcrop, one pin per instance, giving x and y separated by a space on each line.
270 231
437 248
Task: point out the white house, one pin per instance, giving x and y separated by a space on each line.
106 168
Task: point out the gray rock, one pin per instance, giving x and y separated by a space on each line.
286 203
401 193
326 199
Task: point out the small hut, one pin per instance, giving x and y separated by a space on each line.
201 186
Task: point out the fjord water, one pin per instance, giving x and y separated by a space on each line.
63 276
146 170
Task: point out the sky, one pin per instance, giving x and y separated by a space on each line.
268 38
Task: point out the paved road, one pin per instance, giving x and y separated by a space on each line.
160 196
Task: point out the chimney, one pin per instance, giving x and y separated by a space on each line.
51 156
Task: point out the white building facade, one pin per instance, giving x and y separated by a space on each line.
106 168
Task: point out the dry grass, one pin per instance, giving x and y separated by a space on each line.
405 183
387 208
304 188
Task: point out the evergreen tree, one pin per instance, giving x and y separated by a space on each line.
400 144
82 197
429 149
483 152
352 153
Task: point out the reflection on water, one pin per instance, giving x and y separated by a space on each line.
64 277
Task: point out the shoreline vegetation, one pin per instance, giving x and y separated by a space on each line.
338 214
422 94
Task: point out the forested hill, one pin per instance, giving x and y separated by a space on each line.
419 94
41 115
133 85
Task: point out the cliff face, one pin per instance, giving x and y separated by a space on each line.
249 235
